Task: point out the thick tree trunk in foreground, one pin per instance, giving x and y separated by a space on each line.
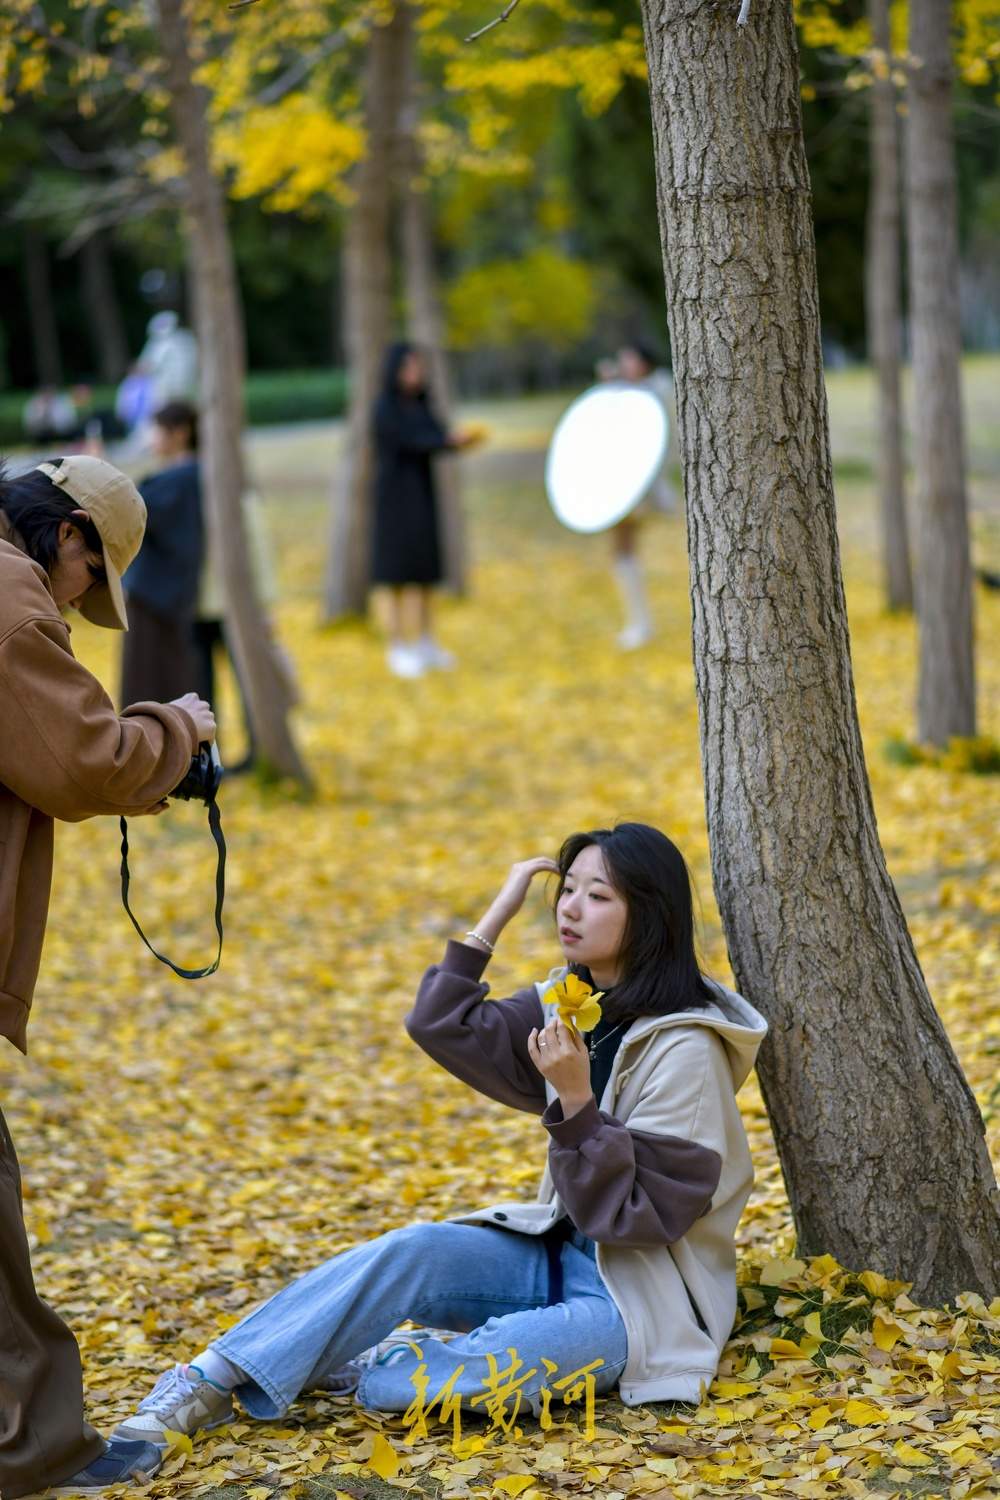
426 322
104 314
884 316
879 1136
219 325
946 698
367 323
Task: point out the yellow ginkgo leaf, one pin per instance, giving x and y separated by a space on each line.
513 1484
886 1334
777 1272
385 1461
587 1017
912 1457
863 1414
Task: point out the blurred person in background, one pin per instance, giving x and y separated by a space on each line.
636 364
49 416
170 358
135 401
68 530
161 586
407 552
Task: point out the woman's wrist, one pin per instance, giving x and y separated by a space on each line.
488 929
573 1103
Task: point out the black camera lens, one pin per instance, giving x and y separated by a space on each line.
203 776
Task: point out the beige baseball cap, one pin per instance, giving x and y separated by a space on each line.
118 511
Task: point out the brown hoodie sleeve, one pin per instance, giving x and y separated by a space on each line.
64 749
625 1187
483 1042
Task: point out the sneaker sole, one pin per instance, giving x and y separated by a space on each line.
146 1437
137 1476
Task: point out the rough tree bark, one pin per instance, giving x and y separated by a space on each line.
367 278
219 325
41 310
879 1136
946 700
425 318
103 311
884 315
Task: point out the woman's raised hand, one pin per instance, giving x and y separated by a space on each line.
510 898
515 887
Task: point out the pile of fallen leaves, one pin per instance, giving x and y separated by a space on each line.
187 1148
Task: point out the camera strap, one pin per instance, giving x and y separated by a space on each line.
215 824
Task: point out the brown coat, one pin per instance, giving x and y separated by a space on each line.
64 753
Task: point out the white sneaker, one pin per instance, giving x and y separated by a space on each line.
345 1381
405 661
435 658
180 1401
634 636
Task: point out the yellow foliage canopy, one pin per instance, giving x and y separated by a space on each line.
544 295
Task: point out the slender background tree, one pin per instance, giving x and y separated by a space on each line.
946 693
884 310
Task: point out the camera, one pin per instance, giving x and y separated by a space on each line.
203 777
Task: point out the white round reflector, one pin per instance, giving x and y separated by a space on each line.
606 451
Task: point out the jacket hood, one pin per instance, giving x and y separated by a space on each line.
739 1026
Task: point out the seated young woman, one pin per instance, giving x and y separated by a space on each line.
625 1263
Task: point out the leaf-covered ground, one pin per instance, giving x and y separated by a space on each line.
189 1147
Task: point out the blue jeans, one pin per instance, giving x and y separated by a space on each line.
500 1290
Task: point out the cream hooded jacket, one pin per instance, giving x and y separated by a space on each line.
657 1172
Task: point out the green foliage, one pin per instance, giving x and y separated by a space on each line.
271 398
979 755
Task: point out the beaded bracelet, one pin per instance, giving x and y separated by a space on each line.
480 939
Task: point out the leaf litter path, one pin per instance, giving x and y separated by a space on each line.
188 1148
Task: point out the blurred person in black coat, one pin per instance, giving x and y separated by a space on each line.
161 586
407 552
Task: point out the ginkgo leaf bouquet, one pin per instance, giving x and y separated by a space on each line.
577 1003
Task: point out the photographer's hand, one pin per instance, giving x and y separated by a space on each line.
200 712
510 897
152 812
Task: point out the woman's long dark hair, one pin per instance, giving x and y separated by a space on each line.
36 508
660 973
394 357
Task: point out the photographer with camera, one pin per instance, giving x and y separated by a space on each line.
68 530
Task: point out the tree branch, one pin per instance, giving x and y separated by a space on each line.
301 68
505 13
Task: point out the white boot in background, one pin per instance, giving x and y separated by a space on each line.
405 659
638 627
434 657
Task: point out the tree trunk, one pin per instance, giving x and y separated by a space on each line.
219 325
41 312
367 281
885 324
946 697
426 323
879 1136
104 314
